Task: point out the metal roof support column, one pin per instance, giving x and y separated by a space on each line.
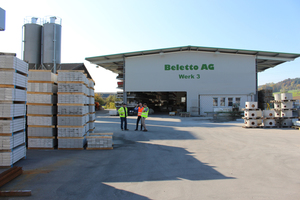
256 83
124 82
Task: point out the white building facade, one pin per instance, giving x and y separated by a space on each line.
212 78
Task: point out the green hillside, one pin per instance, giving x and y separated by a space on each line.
285 85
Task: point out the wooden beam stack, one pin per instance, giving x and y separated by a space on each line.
73 110
42 109
13 84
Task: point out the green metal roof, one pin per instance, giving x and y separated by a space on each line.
265 59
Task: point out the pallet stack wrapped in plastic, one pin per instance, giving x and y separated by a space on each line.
42 109
252 115
73 110
92 112
13 84
99 141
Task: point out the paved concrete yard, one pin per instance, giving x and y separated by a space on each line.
179 158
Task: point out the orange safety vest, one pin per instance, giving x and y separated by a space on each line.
140 110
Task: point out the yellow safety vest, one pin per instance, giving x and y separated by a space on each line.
145 113
121 112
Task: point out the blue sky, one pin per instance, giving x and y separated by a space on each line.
96 27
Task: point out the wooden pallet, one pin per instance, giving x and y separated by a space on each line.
107 148
270 126
71 148
251 126
296 127
40 148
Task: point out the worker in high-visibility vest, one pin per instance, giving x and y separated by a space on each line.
144 116
123 112
139 109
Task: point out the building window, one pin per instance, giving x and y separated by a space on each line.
238 101
230 100
215 101
222 101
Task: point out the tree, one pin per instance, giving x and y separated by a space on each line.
98 98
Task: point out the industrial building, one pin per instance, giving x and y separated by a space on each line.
191 79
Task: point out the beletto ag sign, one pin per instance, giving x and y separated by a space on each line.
190 68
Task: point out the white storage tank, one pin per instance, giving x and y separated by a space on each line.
251 105
32 31
51 42
286 96
269 113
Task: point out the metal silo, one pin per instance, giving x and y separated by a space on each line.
51 43
32 30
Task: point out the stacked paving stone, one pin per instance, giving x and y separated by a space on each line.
13 84
92 112
42 109
99 141
73 109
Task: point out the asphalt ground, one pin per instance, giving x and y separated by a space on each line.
178 158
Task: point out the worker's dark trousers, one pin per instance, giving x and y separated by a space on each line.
137 123
123 120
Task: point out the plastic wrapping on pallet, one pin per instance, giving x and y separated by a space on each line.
73 87
251 105
71 132
13 78
73 99
41 98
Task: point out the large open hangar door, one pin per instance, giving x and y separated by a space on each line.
160 102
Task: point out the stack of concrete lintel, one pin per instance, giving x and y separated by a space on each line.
73 110
13 84
92 112
42 109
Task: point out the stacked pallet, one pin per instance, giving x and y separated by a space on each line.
92 112
73 110
42 109
13 83
99 141
283 108
252 115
